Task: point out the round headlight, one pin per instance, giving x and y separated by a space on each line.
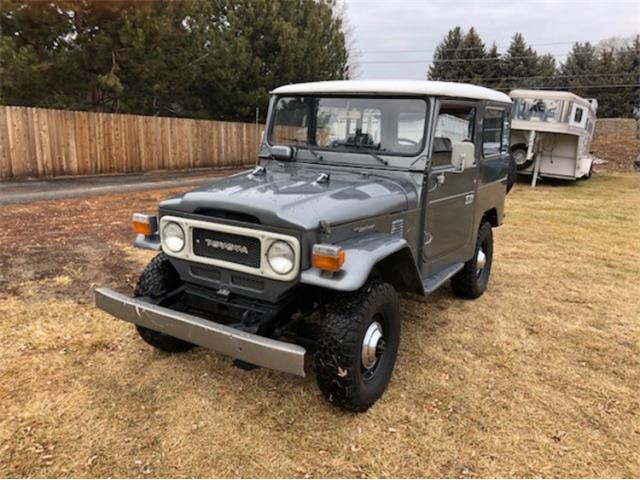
280 257
173 237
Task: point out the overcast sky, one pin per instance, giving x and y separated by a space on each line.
378 25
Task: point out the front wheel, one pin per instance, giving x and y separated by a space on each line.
472 280
157 280
358 345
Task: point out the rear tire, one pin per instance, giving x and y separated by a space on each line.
472 280
358 346
157 280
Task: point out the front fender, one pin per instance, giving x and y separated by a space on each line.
362 254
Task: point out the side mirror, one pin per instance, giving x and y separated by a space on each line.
282 152
463 156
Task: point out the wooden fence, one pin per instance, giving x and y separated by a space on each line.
38 142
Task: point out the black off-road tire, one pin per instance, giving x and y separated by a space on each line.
157 279
521 148
340 372
469 282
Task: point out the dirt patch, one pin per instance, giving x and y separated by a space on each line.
539 377
618 150
68 247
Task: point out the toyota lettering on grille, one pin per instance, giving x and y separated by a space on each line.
228 246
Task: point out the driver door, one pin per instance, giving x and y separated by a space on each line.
451 197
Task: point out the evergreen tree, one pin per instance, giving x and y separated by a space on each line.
519 64
443 66
201 58
494 68
578 70
471 56
546 75
627 102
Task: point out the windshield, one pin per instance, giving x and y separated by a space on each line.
537 109
388 126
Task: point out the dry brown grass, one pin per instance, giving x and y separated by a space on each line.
539 377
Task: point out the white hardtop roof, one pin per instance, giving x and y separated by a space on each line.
394 87
548 94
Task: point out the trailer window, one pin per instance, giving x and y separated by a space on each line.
537 109
492 131
454 125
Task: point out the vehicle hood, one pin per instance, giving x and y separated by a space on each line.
290 195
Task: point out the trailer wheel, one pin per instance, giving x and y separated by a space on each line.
357 345
519 154
157 279
590 173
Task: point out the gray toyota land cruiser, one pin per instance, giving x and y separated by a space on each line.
364 189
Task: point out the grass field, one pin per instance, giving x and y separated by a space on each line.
539 377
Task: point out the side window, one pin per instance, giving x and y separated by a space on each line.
492 131
455 124
577 118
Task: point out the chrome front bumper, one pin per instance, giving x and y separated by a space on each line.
244 346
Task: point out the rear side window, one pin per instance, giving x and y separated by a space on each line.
492 131
454 125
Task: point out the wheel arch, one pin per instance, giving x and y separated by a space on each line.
382 255
400 270
490 216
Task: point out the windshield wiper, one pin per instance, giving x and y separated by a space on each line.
377 157
314 153
305 146
371 152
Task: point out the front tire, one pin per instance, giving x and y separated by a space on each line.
358 345
472 280
156 281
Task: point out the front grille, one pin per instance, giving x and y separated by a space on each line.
227 247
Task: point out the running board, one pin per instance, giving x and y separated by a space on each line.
436 280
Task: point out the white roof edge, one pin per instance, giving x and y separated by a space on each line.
550 94
394 87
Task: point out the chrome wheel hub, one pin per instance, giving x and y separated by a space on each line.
372 345
520 157
481 261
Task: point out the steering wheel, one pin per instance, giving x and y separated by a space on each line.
412 143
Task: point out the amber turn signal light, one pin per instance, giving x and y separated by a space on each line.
144 224
329 258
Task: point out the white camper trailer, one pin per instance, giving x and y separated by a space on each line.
551 134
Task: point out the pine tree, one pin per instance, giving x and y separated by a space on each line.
578 70
444 66
519 64
545 72
628 98
214 59
472 58
494 68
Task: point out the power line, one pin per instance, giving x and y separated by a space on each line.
430 50
565 87
455 60
543 76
